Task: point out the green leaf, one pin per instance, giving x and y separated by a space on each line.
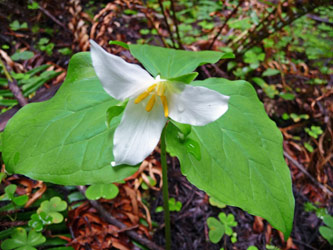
120 43
242 160
113 112
327 233
328 220
270 72
68 142
187 78
10 191
21 200
21 241
106 191
52 208
216 230
171 63
24 55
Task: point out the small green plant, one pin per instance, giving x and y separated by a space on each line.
106 191
45 45
39 220
33 5
21 240
24 55
327 231
217 228
10 195
314 131
174 206
16 25
65 51
52 208
295 117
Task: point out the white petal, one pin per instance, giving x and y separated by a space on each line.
138 133
196 105
119 78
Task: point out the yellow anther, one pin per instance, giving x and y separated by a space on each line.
141 97
144 95
151 103
151 88
165 105
160 89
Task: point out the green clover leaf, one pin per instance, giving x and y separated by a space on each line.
20 240
52 208
106 191
37 221
216 229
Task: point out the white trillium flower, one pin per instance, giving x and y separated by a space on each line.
151 102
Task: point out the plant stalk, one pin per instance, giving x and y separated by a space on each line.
165 193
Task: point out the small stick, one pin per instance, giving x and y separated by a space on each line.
14 88
225 23
303 170
112 220
176 24
47 13
166 22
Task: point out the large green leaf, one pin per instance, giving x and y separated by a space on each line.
65 140
241 160
171 63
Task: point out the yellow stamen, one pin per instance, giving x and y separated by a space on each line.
144 95
151 88
165 106
141 97
160 89
151 103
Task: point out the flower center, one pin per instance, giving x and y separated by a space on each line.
155 90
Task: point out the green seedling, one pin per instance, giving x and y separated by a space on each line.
21 240
17 26
252 248
44 45
295 117
314 131
327 231
106 191
38 221
152 183
52 208
24 55
10 195
270 72
217 228
174 206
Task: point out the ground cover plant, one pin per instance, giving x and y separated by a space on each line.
138 125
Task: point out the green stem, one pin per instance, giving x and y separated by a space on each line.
165 193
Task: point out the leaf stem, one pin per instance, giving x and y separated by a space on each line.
165 192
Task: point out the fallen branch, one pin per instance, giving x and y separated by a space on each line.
303 170
112 220
14 88
43 96
47 13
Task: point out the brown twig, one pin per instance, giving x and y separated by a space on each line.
14 88
112 220
225 23
303 170
174 17
47 13
43 96
166 22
